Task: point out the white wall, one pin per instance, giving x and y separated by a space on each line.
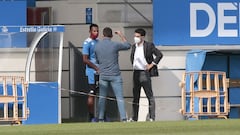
13 62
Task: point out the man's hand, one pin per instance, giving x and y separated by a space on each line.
149 66
120 34
97 71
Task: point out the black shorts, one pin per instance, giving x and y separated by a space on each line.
93 88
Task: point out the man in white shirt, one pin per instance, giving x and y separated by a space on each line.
144 67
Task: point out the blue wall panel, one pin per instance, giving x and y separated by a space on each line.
13 13
43 103
234 66
234 112
31 3
234 93
216 63
196 22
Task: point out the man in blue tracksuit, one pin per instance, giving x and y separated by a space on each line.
91 66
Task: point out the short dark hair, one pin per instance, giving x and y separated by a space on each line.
107 32
141 31
93 25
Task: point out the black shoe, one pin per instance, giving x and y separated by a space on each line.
94 120
91 117
124 120
100 120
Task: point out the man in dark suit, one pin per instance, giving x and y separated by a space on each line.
144 67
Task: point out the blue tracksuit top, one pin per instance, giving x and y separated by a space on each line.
107 52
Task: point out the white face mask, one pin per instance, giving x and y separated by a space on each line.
137 40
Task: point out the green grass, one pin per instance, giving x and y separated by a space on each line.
195 127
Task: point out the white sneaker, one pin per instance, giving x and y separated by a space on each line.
151 120
131 120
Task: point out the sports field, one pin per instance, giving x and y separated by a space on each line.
194 127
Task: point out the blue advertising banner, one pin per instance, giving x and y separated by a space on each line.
196 22
32 28
15 36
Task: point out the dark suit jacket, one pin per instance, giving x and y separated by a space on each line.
149 51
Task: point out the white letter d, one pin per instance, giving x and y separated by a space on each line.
194 32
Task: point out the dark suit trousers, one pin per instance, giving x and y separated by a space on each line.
142 78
